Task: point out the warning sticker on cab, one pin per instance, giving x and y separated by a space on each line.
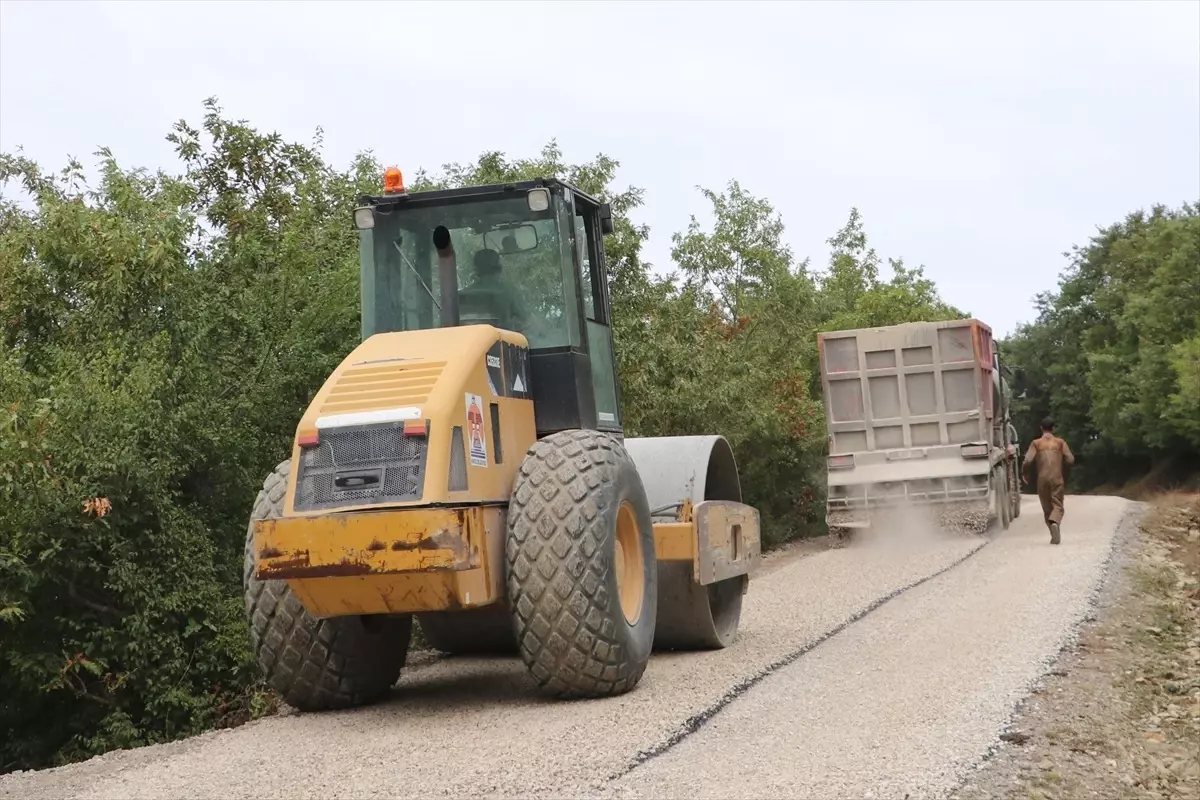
475 431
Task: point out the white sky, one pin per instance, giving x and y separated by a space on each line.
979 139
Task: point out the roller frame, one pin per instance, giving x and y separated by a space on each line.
692 481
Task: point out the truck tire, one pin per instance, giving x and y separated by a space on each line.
582 574
1014 488
316 664
480 631
1000 488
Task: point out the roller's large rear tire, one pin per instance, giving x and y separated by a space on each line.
482 631
317 664
582 574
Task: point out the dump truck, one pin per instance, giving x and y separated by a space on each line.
918 416
465 467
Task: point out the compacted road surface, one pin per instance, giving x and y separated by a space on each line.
882 669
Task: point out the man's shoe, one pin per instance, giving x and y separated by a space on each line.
1054 533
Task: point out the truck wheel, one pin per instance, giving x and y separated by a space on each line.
480 631
1000 487
582 574
1014 489
316 664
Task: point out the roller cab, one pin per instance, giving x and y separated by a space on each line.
466 467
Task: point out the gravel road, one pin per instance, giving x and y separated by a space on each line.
886 667
914 695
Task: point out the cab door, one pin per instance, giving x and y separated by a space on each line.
589 262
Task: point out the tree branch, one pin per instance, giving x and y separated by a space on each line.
99 608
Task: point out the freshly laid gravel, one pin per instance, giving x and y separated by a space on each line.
907 701
476 727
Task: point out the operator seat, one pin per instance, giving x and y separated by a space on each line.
488 299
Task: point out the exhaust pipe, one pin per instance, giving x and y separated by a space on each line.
447 275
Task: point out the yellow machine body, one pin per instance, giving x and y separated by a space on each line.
444 551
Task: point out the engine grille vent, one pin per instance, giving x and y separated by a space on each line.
457 480
360 466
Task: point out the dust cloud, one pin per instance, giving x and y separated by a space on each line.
904 529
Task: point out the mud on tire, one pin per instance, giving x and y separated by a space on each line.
316 664
563 562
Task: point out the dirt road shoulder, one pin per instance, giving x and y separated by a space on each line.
1119 716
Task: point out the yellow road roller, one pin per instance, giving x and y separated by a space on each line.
465 466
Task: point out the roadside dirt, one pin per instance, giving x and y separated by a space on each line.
1119 717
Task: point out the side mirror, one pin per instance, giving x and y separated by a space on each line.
606 219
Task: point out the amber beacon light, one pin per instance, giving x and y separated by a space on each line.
393 181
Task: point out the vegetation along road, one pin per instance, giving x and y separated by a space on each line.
885 668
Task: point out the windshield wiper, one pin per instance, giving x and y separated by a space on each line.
404 258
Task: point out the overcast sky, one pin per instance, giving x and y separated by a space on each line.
979 139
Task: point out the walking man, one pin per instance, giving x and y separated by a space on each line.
1048 454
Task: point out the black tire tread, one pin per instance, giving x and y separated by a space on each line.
316 664
1014 477
1004 498
557 583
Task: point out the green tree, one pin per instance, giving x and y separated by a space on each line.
742 327
1112 353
